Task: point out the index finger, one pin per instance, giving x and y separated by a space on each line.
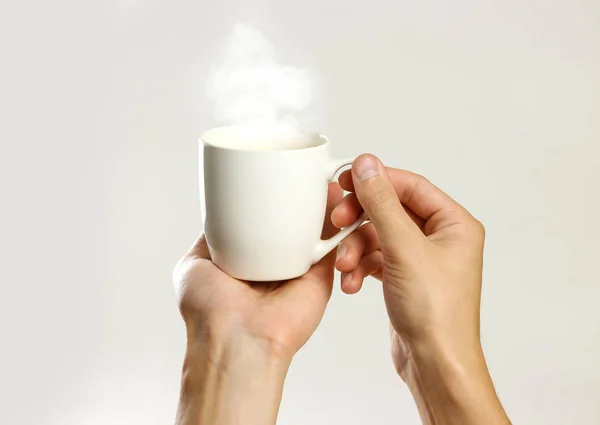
415 191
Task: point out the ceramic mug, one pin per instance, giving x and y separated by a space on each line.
264 200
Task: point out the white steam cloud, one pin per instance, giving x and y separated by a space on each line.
248 86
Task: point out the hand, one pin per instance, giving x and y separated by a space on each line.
249 331
427 250
423 245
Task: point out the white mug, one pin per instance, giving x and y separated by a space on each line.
264 201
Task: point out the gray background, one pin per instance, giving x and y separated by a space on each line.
101 102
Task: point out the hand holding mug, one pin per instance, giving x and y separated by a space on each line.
242 335
254 287
428 252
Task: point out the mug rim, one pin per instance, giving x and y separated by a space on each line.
322 141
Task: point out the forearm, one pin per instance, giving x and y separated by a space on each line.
230 382
452 388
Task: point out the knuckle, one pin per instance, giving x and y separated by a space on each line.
417 184
478 229
420 179
382 197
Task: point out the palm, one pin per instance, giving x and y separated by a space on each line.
283 313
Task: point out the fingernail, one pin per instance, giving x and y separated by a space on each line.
341 252
366 168
332 217
346 280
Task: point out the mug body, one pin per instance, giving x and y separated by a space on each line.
264 202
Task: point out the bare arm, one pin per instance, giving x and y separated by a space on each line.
231 381
453 391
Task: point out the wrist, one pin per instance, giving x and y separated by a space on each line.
235 351
451 383
214 334
449 355
225 370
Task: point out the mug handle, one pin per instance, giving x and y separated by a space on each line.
326 246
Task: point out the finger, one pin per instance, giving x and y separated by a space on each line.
369 265
361 242
199 249
346 212
377 195
313 289
345 180
414 191
423 199
335 195
427 201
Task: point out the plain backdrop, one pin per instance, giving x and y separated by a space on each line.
101 104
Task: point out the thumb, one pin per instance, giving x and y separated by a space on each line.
375 192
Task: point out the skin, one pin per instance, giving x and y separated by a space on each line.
426 250
241 337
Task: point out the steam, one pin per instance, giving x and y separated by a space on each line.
249 88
